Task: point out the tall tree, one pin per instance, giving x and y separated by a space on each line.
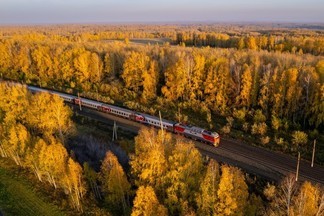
149 164
135 64
232 192
184 171
61 115
207 198
245 94
146 203
43 64
53 162
150 79
34 160
13 102
196 90
255 67
218 85
293 93
317 108
95 68
74 183
114 183
4 57
15 144
265 90
175 79
283 203
81 64
307 199
251 43
49 115
22 60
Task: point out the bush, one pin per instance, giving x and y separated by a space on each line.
279 141
299 138
265 140
275 123
239 114
263 128
226 129
259 128
246 126
259 117
229 120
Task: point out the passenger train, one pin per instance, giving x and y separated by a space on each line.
192 132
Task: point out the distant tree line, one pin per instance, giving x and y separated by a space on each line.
259 91
293 44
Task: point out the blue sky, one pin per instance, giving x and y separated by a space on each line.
109 11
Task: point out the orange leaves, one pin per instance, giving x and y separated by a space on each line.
114 182
135 64
81 64
176 79
232 192
49 114
149 162
146 203
294 199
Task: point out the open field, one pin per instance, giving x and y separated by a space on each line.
17 196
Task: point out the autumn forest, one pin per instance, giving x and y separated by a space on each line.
255 84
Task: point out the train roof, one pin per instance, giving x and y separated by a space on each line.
117 108
90 101
50 91
157 119
197 129
63 94
215 134
37 89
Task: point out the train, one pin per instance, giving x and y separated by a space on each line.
188 131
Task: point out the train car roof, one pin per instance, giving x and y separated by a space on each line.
157 119
198 129
90 101
117 108
37 89
49 91
63 94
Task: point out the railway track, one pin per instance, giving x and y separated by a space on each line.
255 160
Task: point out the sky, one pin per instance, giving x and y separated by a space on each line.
152 11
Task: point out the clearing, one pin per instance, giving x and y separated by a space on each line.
17 196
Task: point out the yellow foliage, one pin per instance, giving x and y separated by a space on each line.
207 198
147 204
48 114
307 200
149 162
232 192
114 181
184 172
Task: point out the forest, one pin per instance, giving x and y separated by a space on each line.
165 177
262 85
247 88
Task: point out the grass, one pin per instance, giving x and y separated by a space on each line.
17 196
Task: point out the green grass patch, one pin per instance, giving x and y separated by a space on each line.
17 196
